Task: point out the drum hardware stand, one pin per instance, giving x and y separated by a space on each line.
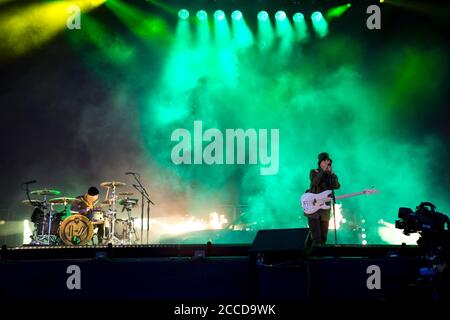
145 196
132 230
112 215
49 215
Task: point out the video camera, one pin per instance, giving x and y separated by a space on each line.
424 220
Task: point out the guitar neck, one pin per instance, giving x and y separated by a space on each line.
348 195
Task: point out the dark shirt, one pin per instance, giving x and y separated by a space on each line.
321 181
81 206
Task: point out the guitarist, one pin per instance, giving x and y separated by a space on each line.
322 179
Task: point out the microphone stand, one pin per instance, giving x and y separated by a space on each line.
145 196
333 201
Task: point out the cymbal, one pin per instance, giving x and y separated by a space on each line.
106 202
34 203
45 192
124 202
112 184
62 200
125 193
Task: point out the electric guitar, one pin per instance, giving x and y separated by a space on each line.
312 202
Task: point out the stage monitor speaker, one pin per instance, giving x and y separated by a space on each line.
282 242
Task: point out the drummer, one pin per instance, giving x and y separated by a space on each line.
85 204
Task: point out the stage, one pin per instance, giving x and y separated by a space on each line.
203 151
207 273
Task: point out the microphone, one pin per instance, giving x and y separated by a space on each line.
127 173
30 182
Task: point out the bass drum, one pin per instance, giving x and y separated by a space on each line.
76 230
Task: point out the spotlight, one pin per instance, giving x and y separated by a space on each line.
280 15
363 236
183 14
364 242
263 16
202 15
316 16
236 15
219 15
298 17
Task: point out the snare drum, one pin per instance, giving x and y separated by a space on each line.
97 217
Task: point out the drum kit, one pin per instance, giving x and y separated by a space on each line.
57 224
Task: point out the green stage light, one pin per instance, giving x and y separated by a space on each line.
263 16
280 15
336 12
298 17
202 15
320 25
300 26
236 15
316 16
183 14
219 15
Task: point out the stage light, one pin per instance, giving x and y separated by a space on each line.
265 31
183 14
140 22
242 35
301 27
320 25
219 15
263 16
28 27
202 15
381 1
344 220
364 242
280 16
363 236
336 12
236 15
298 17
221 30
27 233
316 16
363 221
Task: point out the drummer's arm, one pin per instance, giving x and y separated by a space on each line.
77 207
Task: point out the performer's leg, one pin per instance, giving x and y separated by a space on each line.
324 231
314 227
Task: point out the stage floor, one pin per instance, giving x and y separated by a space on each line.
206 272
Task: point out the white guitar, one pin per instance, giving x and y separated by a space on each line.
312 202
